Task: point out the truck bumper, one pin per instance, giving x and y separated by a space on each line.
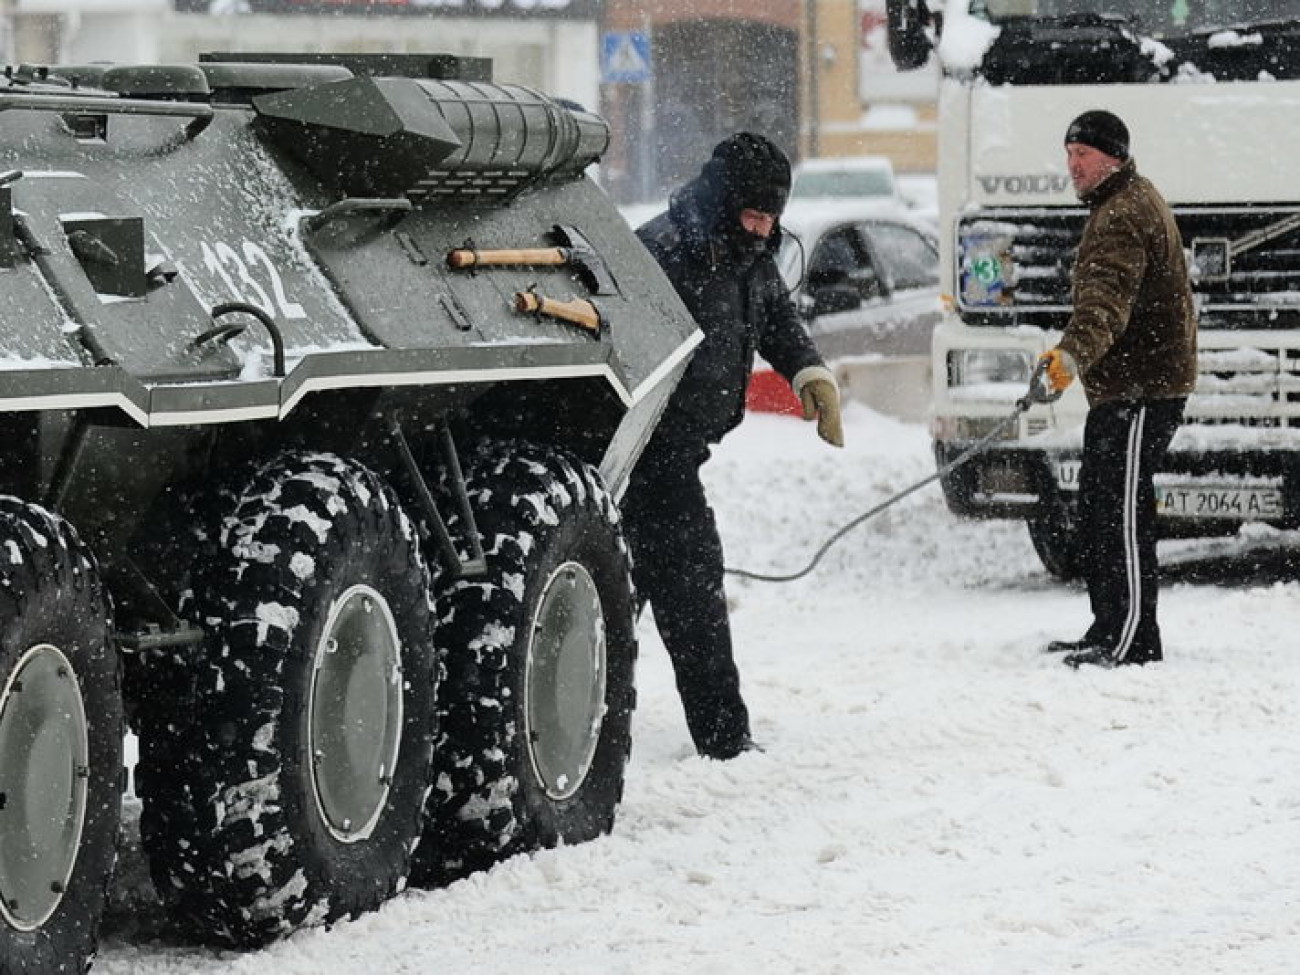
1199 492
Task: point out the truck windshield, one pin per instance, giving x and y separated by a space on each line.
1155 17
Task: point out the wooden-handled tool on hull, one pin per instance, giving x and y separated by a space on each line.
578 311
573 251
534 257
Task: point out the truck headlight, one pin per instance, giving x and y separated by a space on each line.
972 367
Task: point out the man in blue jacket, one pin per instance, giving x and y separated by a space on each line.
717 243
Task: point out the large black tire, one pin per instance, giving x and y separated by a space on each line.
1055 537
536 708
285 783
61 730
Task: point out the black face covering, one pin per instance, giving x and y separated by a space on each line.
743 247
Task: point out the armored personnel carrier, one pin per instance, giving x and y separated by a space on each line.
319 377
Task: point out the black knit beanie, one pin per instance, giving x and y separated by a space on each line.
751 172
1101 130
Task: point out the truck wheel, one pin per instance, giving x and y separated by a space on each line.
285 784
61 730
1055 538
535 715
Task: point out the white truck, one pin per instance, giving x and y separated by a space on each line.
1210 91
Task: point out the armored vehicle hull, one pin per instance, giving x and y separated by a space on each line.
319 378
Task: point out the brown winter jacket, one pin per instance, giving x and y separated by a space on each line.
1133 329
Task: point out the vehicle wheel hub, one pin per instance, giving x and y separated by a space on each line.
355 713
44 776
565 680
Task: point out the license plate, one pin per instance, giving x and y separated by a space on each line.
1178 497
1209 501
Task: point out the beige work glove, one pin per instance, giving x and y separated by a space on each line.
820 395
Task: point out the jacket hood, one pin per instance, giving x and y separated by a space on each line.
753 172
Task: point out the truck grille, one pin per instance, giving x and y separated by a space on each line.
1252 384
1015 265
1015 270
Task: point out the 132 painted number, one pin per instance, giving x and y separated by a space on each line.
241 274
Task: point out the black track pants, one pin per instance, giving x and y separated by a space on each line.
1124 443
677 566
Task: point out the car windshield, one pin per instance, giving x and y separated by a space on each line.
842 182
1153 16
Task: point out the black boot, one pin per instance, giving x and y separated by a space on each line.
1092 655
724 751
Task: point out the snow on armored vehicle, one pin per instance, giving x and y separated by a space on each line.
336 365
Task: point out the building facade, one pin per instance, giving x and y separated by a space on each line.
813 75
531 42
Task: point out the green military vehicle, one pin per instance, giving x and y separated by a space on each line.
319 378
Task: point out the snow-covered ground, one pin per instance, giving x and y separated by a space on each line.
936 795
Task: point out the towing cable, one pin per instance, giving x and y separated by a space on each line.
1039 391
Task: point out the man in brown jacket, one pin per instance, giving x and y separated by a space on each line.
1132 339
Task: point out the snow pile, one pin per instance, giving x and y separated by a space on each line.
935 795
966 38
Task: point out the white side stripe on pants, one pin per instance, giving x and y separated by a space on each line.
1132 566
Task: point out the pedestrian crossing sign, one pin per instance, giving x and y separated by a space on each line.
625 57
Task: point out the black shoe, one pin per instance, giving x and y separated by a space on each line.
1139 660
1092 655
1065 646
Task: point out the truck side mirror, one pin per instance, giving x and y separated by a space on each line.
909 44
